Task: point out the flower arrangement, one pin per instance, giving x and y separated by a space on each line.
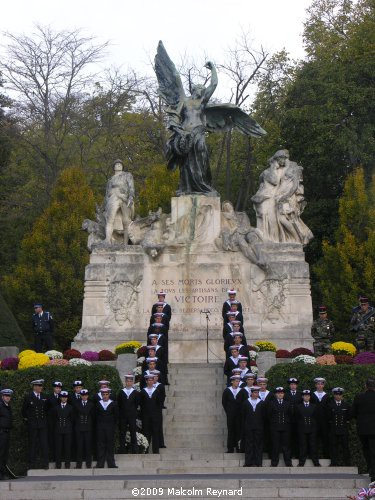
283 353
304 358
254 369
344 348
140 360
79 361
26 352
365 493
71 353
253 362
36 359
137 370
264 345
141 440
326 359
58 362
142 352
128 347
90 356
253 348
253 355
300 350
54 354
10 363
137 386
106 355
364 358
341 359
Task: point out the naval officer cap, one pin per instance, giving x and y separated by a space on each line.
6 392
306 391
38 304
84 392
39 382
77 383
338 390
279 389
293 380
319 379
63 394
57 383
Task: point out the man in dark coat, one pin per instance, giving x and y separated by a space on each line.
305 412
106 416
63 416
35 412
320 398
151 406
280 413
295 397
252 410
6 423
232 406
338 414
128 400
363 410
83 428
42 323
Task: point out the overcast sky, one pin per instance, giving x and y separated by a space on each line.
194 27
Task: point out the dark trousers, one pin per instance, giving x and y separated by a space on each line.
63 447
43 342
233 432
280 441
84 448
323 436
105 439
151 429
307 443
368 448
335 442
38 440
4 449
294 442
125 423
161 432
253 447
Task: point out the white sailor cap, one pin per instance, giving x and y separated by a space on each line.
157 325
105 389
63 394
262 379
148 360
39 381
6 392
231 347
338 390
161 293
231 313
242 358
235 302
250 375
320 379
237 334
104 382
236 370
129 375
155 372
235 377
255 388
149 347
158 315
153 335
236 322
231 292
149 375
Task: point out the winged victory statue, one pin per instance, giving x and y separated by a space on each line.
189 118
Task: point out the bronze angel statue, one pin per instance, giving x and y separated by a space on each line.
189 118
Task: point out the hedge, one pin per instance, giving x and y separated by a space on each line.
19 381
351 377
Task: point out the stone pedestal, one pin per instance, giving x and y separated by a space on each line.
265 360
121 286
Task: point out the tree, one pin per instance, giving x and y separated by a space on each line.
347 268
52 259
10 332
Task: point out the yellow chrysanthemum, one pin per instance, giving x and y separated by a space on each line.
26 352
36 359
266 346
343 348
130 346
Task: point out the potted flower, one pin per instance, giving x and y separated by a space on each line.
283 356
126 356
266 355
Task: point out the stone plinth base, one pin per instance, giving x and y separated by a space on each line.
121 286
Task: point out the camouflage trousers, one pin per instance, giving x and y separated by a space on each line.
365 341
322 347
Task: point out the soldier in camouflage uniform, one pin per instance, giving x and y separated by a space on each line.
322 331
363 323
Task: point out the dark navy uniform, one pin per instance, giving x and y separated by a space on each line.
253 426
151 410
128 411
280 421
83 428
231 401
338 416
63 416
306 420
43 329
106 420
6 423
167 310
35 411
226 308
321 420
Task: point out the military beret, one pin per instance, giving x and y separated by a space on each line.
279 389
293 380
84 392
338 390
6 392
76 383
63 394
320 379
37 382
255 388
235 377
57 383
231 292
363 300
306 391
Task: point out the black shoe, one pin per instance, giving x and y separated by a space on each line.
245 465
289 464
274 464
2 478
58 466
88 465
230 450
112 466
67 465
317 464
301 464
79 465
333 465
162 446
99 466
122 450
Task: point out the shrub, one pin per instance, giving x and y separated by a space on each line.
364 358
106 355
326 359
142 352
343 360
304 358
20 380
351 377
301 350
37 359
54 354
71 353
128 347
9 363
283 353
264 345
344 348
90 356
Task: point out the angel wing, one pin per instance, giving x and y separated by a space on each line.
170 85
226 116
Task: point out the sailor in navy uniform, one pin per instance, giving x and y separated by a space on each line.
166 307
157 352
249 381
295 397
234 310
102 384
6 424
75 396
83 427
232 406
160 314
252 414
106 417
128 400
338 414
231 362
236 338
151 364
53 400
42 323
226 306
35 412
63 414
151 405
160 330
161 388
231 325
305 413
321 398
243 365
279 412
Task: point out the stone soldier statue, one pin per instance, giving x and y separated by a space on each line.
322 331
363 324
119 198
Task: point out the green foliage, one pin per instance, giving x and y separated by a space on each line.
157 189
52 259
10 332
19 381
351 377
347 268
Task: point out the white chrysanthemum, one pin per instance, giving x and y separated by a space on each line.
137 386
141 439
310 360
79 361
254 369
54 354
253 354
137 370
140 360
